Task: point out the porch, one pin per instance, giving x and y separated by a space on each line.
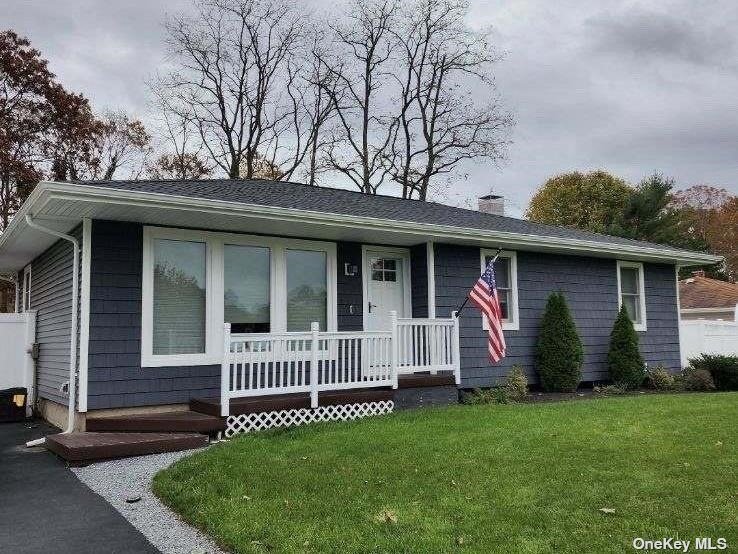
316 365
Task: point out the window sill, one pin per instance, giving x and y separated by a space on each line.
640 327
171 360
506 325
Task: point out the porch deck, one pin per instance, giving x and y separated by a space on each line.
318 364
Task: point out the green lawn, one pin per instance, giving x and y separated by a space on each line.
515 478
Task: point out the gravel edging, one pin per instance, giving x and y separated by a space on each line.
127 479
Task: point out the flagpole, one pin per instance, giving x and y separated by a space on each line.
463 304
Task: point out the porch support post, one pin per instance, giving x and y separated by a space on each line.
225 371
314 328
457 350
395 348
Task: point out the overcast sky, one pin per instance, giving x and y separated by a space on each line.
630 87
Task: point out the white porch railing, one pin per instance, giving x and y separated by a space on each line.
283 363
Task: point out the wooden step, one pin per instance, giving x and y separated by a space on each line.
83 448
171 422
418 380
256 404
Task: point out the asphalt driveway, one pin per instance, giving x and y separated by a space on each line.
45 508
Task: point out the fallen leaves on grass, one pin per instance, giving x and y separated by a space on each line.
607 510
386 516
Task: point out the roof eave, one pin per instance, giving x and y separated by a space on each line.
48 190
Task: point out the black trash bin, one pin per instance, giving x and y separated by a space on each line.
13 404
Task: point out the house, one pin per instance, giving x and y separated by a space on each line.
361 287
703 298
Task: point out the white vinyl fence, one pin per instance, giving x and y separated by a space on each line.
17 335
707 337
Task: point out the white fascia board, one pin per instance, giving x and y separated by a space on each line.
47 191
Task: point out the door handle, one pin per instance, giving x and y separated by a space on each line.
370 307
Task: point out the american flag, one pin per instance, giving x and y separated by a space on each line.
484 296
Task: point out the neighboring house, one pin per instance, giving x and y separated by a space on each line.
703 298
164 264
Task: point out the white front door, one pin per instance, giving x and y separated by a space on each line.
387 279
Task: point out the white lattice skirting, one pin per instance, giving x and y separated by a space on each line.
247 423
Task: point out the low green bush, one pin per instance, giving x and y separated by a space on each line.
724 369
696 380
659 378
493 395
514 389
609 390
516 384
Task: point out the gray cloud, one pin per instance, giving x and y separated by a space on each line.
630 89
663 36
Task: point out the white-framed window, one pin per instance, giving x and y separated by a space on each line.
632 292
506 278
194 281
25 296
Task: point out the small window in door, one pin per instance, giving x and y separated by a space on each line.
384 269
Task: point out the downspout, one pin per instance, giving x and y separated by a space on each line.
73 339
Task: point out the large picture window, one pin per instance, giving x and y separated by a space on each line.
631 292
246 291
195 281
506 278
180 282
307 293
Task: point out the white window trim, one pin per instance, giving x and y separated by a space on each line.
642 326
511 324
26 286
404 253
215 243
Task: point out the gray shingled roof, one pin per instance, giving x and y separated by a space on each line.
340 201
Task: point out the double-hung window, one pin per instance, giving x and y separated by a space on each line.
631 292
194 281
506 279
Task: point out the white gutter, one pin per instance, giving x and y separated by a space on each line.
48 190
73 338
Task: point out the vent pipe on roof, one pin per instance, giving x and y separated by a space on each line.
492 204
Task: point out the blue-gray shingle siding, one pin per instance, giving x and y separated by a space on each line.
590 287
115 376
51 298
419 280
350 295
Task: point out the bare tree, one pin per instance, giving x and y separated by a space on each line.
360 68
448 110
238 82
122 142
184 157
319 100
